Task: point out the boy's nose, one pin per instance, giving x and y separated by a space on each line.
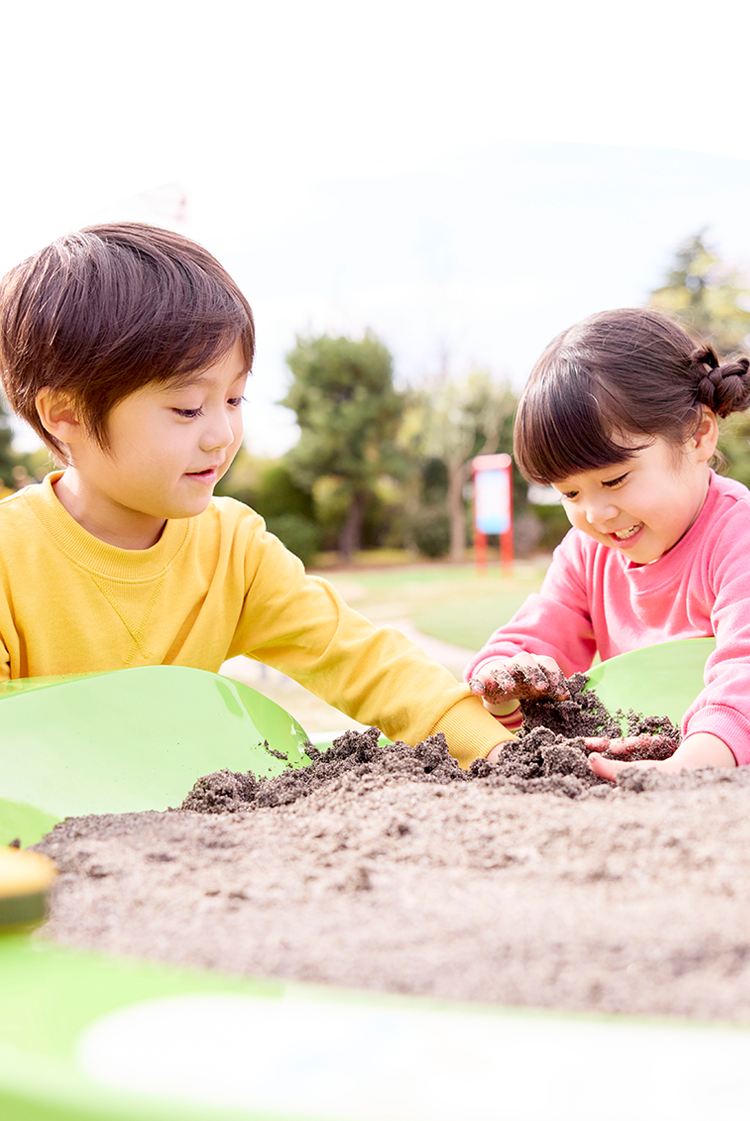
218 435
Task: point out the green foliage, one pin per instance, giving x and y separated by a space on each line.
241 480
18 468
711 302
349 413
300 535
431 530
277 495
8 458
434 480
706 296
458 418
451 421
555 525
734 448
267 486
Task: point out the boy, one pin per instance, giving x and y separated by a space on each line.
127 349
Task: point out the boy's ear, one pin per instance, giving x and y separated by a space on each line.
706 436
57 413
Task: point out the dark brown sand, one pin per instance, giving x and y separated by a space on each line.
385 867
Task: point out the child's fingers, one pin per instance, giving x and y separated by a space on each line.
601 743
611 768
654 745
530 679
525 677
606 768
535 679
494 683
557 686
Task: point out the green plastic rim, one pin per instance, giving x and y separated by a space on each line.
661 680
132 740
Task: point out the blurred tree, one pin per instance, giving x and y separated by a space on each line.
242 479
712 303
16 468
453 420
348 412
706 296
266 485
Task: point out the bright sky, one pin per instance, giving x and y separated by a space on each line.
463 177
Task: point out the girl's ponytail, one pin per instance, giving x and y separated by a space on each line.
723 388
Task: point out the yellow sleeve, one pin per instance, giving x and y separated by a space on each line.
302 626
468 730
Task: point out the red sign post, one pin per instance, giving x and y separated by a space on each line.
493 507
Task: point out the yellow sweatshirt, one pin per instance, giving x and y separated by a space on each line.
212 587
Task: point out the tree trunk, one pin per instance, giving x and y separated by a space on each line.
351 531
458 473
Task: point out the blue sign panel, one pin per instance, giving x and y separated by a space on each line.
492 501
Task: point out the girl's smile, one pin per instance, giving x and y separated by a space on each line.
627 534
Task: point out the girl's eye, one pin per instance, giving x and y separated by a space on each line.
569 495
615 482
189 414
235 402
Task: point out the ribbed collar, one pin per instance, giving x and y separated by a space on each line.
97 556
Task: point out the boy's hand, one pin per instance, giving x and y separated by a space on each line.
700 750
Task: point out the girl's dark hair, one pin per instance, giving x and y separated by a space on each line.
105 311
617 375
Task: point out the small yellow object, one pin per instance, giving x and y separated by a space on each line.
25 878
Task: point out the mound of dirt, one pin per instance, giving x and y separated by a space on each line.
549 755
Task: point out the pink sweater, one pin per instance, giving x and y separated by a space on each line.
594 599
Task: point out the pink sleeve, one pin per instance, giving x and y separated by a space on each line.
555 622
723 707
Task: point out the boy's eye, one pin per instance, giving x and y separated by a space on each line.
569 494
616 482
189 414
236 401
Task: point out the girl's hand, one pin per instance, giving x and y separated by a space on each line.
503 683
700 750
523 677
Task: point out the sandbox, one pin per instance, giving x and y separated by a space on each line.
463 945
383 867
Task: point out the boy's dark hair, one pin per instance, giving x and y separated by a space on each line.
108 309
616 375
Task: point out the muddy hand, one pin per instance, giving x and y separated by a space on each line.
525 677
646 747
699 750
640 751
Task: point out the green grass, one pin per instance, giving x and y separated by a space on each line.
450 602
469 622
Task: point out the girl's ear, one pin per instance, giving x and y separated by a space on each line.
58 415
706 436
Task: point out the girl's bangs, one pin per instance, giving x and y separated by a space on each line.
563 433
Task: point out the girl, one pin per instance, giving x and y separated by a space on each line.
620 416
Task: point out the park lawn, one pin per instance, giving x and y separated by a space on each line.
469 621
450 602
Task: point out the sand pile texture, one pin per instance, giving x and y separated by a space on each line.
386 867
